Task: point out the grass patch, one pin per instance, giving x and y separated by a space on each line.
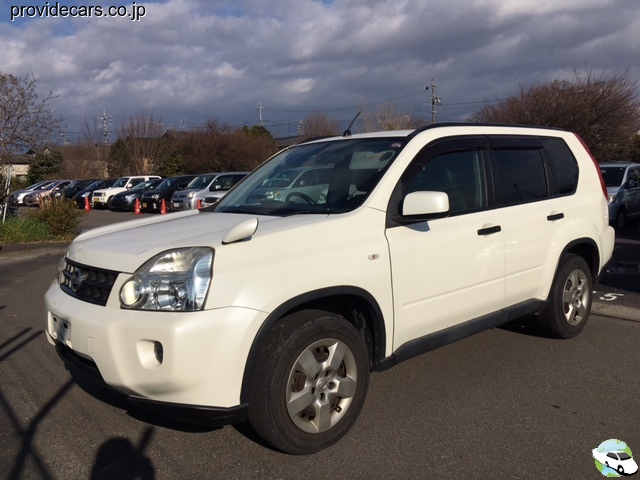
25 229
57 221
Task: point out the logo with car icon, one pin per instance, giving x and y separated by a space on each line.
613 458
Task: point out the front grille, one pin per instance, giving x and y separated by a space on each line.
86 283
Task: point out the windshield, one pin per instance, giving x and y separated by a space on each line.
325 177
121 182
144 186
612 175
201 181
167 183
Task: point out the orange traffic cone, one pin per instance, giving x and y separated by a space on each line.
199 203
87 206
163 207
136 207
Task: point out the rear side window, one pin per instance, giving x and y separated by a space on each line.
562 163
519 175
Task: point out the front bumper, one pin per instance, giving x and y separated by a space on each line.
101 201
194 414
203 353
183 204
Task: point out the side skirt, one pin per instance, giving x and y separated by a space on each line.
449 335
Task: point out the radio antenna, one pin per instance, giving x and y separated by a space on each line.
347 132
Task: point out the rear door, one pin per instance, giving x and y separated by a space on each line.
532 177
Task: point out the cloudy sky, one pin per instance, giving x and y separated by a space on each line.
186 61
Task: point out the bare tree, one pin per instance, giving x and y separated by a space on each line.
87 156
602 108
219 147
27 122
143 145
388 117
319 124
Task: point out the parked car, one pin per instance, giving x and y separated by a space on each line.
79 198
623 188
307 184
151 201
208 185
276 310
101 198
17 197
74 187
619 461
125 201
45 193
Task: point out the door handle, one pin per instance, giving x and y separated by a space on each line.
555 216
489 229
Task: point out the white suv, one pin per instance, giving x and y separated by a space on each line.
277 310
102 198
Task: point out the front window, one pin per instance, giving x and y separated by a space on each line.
324 177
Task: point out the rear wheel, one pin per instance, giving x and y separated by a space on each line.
311 382
570 299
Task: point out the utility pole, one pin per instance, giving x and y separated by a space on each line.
435 101
104 126
260 109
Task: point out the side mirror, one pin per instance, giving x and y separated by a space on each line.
422 206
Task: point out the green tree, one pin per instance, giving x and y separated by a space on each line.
46 164
118 159
170 166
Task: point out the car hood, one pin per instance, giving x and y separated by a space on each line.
187 191
127 245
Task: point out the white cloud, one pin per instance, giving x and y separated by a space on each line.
199 59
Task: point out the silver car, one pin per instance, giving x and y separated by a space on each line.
207 185
623 190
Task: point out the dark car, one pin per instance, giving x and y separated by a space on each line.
73 188
79 198
151 201
125 201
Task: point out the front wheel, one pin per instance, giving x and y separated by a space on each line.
310 383
621 220
569 303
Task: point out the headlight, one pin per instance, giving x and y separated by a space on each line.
176 280
191 194
612 197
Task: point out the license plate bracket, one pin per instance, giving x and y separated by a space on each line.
61 330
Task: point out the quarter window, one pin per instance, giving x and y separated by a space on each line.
562 163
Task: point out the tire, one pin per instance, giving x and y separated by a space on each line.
621 220
301 195
620 469
569 304
310 383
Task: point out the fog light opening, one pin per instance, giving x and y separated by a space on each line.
158 351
